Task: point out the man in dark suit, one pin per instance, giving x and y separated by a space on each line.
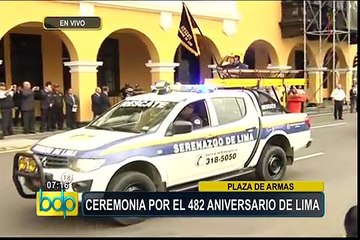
17 105
72 104
58 108
28 107
105 100
96 102
6 105
46 104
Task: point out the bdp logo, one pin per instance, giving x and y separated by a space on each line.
62 203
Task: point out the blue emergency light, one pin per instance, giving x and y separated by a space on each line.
163 87
194 88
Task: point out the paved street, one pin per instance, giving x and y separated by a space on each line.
332 158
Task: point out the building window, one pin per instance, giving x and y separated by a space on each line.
109 73
26 59
2 57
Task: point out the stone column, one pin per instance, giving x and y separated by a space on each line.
83 83
162 71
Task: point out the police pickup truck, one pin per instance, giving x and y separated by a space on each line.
168 140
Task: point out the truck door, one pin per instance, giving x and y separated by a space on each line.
238 119
186 164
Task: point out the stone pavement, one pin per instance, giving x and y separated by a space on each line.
23 141
16 144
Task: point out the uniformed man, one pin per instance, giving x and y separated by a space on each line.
6 105
28 107
46 104
188 114
138 90
96 102
57 109
124 91
353 98
104 100
72 105
17 105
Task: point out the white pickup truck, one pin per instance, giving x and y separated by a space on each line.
168 140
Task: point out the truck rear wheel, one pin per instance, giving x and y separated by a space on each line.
131 182
272 164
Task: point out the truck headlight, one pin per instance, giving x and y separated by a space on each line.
85 165
27 164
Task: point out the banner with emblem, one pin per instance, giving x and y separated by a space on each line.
355 63
187 33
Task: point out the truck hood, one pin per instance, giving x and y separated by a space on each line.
84 139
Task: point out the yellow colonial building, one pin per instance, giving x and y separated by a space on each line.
138 44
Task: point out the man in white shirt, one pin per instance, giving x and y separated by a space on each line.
338 96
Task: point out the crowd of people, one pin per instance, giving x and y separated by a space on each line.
22 99
17 106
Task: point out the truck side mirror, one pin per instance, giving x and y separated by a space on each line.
181 127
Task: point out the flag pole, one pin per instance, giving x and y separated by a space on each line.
203 37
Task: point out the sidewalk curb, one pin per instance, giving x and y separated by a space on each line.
30 136
6 149
315 114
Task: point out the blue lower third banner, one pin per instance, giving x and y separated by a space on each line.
203 204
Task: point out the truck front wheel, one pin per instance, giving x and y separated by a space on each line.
131 182
272 164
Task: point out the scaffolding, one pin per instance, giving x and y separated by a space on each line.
327 21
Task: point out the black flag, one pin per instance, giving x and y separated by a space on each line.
186 32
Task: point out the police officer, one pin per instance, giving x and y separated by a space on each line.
353 98
188 114
46 104
57 108
17 105
6 105
28 106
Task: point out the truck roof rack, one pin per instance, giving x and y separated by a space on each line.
258 78
235 78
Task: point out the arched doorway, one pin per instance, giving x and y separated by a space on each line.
124 54
193 69
30 53
260 54
296 58
296 61
331 75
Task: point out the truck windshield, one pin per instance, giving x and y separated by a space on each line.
135 116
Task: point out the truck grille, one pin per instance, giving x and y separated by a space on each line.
53 162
